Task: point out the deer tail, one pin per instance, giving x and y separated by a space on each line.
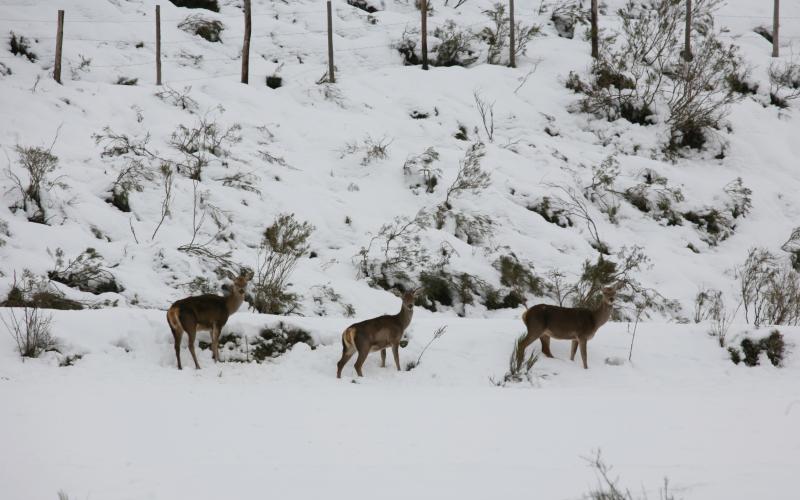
174 320
349 339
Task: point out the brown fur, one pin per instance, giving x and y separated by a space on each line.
204 312
579 325
376 334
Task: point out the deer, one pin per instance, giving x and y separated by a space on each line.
377 334
205 312
577 324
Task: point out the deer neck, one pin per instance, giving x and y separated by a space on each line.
602 313
404 316
233 302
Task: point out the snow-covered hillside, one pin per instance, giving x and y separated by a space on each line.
346 158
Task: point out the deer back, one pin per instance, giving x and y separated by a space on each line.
379 332
562 322
205 310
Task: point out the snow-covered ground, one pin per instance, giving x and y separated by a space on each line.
123 423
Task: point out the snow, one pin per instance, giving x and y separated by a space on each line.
123 423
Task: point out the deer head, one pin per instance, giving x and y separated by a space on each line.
610 293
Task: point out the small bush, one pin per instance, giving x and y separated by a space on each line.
518 275
207 29
371 149
407 47
125 80
792 246
365 5
455 46
36 292
784 83
497 36
21 46
30 330
274 81
197 4
202 144
552 214
283 244
419 169
273 342
750 350
130 178
180 99
567 15
85 273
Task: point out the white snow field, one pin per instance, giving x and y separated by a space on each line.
124 423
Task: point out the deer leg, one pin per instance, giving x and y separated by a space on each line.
573 350
546 346
177 334
192 331
396 354
523 343
346 355
583 354
214 340
362 356
383 358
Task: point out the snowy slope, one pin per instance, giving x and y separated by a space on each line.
124 424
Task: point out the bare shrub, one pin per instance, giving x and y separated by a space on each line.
420 170
471 176
634 298
283 244
4 233
325 294
601 191
486 112
496 36
178 98
784 82
395 251
608 488
202 144
700 96
574 206
131 178
518 372
554 214
642 69
769 288
437 334
208 29
39 165
371 149
30 330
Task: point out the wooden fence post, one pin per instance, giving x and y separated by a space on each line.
246 44
423 8
776 51
687 43
59 44
595 43
512 59
158 45
331 75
